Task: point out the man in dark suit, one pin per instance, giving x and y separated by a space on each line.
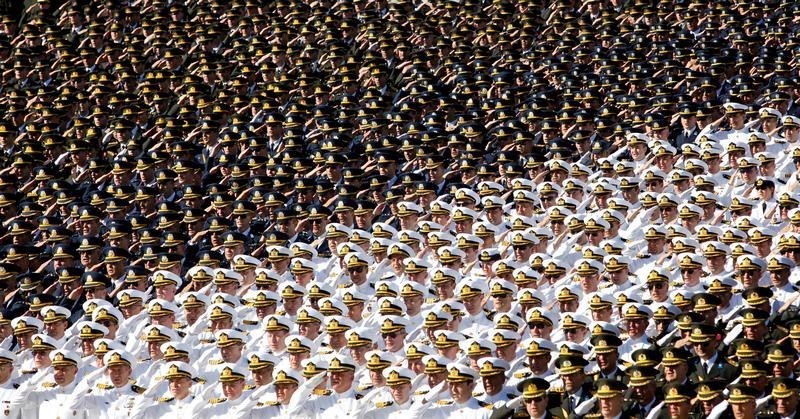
710 364
688 127
535 403
577 384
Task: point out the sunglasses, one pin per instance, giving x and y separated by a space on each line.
537 325
649 184
658 286
535 399
358 269
389 335
520 246
687 271
316 221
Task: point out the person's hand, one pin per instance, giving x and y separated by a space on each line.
74 294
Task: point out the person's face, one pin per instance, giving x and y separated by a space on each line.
541 330
275 339
572 382
744 410
786 406
676 373
394 340
749 278
341 381
41 359
679 410
119 375
611 407
705 349
6 369
296 358
56 329
635 327
64 374
233 389
493 384
231 353
644 394
576 335
607 361
536 407
262 376
284 392
309 330
401 393
179 387
461 392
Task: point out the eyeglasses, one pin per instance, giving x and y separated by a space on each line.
649 184
389 335
537 325
535 400
316 221
657 285
358 269
688 271
520 246
592 233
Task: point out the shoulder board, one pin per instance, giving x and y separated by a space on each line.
178 325
444 402
49 384
280 312
137 389
28 371
420 392
486 405
732 363
557 389
207 341
199 380
726 176
325 350
431 300
103 386
249 387
215 361
521 374
364 387
217 400
319 392
143 360
347 285
166 399
359 396
642 256
250 322
269 403
181 334
477 394
381 405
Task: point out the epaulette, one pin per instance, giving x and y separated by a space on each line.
477 394
321 392
486 405
207 341
643 256
432 300
359 396
102 386
347 285
250 322
420 392
444 402
249 386
179 325
280 312
325 351
181 334
49 384
217 400
28 371
215 361
166 399
578 248
199 380
364 387
143 360
381 405
557 389
137 389
269 403
726 176
521 374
